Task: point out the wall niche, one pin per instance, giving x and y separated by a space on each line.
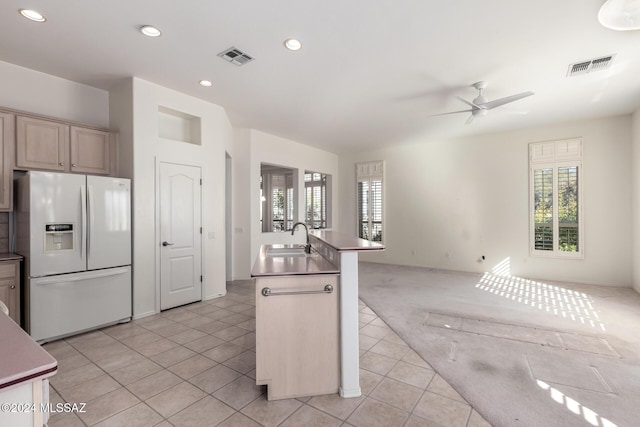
178 126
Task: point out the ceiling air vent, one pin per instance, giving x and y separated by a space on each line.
584 67
235 56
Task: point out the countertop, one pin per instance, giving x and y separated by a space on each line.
21 358
345 242
290 265
6 256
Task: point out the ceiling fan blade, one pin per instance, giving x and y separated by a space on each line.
451 112
469 120
507 99
469 103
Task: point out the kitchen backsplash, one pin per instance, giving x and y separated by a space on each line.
4 232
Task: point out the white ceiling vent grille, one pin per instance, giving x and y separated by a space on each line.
235 56
584 67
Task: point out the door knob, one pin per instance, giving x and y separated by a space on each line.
167 244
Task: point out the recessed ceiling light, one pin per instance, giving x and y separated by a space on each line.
32 15
150 31
292 44
206 83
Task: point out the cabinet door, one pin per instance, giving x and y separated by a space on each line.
297 336
10 296
41 144
10 288
7 136
90 151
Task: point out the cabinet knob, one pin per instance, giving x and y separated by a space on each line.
73 165
12 287
61 163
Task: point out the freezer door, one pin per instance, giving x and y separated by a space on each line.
109 217
70 303
57 212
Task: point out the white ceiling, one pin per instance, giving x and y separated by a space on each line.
370 73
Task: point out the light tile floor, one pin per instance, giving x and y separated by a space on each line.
195 366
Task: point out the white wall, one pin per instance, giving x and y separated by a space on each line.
241 204
252 148
36 92
121 120
635 161
469 197
147 148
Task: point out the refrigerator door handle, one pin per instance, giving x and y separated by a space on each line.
78 277
90 216
83 219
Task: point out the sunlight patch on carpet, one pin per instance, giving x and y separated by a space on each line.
574 406
552 299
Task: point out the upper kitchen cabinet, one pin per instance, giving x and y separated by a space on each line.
41 144
91 151
6 160
57 146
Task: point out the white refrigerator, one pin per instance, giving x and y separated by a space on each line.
75 234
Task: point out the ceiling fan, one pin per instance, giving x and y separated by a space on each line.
480 106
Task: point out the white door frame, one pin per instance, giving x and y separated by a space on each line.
157 243
228 215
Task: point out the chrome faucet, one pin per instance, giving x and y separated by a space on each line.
307 247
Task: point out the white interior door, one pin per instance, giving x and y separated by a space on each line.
180 237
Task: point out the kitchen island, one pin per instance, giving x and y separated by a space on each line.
307 316
24 369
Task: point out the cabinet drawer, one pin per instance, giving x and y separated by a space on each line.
8 270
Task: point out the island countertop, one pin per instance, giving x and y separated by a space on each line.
21 358
345 242
290 265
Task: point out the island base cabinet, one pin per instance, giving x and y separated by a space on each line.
297 336
27 404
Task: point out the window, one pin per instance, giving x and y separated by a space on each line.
556 197
317 196
369 178
277 198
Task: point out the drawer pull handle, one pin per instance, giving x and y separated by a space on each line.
267 292
61 163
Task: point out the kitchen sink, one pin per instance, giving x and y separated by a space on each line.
287 252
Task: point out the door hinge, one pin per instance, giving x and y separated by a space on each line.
201 278
200 230
200 181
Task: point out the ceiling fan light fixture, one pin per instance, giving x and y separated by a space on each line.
480 106
150 31
32 15
293 44
620 15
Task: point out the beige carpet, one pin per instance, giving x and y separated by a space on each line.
522 352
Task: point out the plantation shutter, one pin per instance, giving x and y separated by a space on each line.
555 192
369 178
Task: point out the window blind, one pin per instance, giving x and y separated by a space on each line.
315 199
370 200
556 223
